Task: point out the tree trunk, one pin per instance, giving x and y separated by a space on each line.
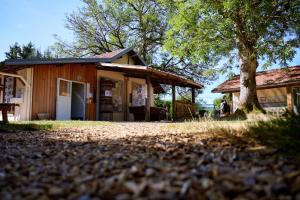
248 95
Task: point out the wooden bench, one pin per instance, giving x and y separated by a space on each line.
156 113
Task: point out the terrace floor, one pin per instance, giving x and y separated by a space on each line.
191 160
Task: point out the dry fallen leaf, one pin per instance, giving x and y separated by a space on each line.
140 161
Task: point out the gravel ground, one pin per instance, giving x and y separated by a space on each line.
141 161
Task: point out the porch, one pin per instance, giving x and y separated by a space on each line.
14 97
86 92
133 101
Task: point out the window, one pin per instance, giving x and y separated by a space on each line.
64 88
273 101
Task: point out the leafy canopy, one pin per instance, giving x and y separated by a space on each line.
103 26
210 30
106 25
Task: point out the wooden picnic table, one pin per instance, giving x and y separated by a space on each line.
5 107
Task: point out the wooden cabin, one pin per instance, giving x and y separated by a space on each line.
102 87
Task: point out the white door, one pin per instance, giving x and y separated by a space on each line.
64 99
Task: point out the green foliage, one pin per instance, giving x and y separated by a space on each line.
14 52
27 52
217 101
185 97
282 134
211 31
158 102
106 25
103 26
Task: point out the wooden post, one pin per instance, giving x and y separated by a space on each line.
126 98
289 99
193 95
174 101
148 101
4 116
231 103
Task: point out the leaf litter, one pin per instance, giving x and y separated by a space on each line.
141 161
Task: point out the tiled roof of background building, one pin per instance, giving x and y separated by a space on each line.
264 79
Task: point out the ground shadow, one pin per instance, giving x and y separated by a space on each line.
85 165
280 133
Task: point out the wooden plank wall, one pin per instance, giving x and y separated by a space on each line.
45 84
289 99
185 110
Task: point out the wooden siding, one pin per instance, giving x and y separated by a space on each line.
184 110
45 86
289 99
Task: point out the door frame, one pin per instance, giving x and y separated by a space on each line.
293 100
71 89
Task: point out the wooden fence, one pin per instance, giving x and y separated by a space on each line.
185 110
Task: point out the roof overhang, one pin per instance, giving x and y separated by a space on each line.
16 76
157 76
134 54
259 87
278 77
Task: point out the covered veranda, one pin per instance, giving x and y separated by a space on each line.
155 77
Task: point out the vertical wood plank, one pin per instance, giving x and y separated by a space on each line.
289 99
174 101
125 98
148 101
193 95
44 86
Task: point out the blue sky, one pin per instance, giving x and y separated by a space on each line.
38 20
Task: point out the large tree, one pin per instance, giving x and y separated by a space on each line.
236 30
105 25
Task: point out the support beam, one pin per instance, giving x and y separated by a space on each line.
174 101
17 76
148 101
193 95
231 103
126 98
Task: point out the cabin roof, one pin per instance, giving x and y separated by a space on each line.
105 57
156 75
264 79
114 55
104 62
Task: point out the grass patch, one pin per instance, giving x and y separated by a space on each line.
211 127
47 125
281 133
